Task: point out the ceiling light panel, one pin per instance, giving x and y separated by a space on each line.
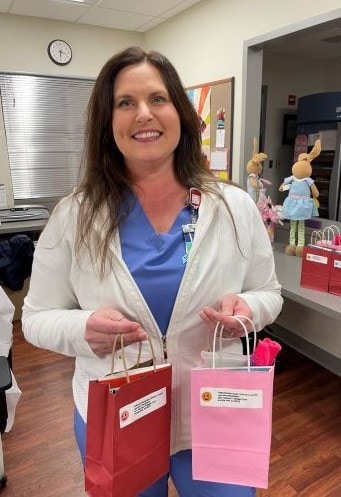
62 11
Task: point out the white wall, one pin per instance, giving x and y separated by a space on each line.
205 43
23 48
92 46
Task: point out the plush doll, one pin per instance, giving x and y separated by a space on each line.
301 202
254 168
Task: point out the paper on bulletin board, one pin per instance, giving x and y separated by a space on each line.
219 159
214 104
201 101
220 131
220 138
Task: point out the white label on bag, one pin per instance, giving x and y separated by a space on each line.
230 397
317 258
337 264
141 407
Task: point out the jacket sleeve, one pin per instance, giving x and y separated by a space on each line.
261 289
6 327
52 318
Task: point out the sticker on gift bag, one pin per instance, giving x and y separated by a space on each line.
141 407
231 397
317 258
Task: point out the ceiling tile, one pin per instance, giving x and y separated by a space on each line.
72 2
4 5
153 8
114 19
47 9
173 10
150 24
138 15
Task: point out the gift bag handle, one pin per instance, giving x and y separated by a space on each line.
333 230
316 236
221 338
221 328
124 359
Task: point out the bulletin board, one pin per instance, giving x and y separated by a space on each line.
214 105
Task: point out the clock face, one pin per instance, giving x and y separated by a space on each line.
59 52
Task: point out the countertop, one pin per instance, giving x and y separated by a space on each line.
22 226
288 269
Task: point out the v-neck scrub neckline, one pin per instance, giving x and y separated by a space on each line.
155 260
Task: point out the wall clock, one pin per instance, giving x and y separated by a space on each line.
59 52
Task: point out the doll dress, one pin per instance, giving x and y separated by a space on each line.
252 191
299 204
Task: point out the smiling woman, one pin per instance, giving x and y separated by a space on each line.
144 237
146 125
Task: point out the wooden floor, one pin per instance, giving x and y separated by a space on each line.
41 458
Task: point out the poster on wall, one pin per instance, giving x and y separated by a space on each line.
201 101
213 103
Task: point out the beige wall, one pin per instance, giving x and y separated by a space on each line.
91 45
205 43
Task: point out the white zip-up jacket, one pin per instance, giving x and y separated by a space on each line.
65 290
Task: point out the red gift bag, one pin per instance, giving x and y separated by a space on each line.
231 419
128 431
316 264
335 274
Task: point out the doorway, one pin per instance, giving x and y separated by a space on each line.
306 38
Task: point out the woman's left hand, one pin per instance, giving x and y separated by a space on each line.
231 305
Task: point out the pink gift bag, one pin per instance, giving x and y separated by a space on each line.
231 419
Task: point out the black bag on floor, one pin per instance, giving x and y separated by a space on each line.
16 257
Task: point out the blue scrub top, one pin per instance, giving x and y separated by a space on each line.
155 260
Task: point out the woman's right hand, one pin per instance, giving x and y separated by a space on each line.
104 324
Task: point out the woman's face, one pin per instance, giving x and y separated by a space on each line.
146 125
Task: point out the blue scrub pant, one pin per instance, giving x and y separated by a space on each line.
180 472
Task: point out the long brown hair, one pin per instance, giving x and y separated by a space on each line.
105 176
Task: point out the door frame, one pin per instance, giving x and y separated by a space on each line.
252 76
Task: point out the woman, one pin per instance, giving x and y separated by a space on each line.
120 255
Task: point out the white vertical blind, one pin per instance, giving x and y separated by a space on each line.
44 125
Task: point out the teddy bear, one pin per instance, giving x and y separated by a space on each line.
301 202
254 169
